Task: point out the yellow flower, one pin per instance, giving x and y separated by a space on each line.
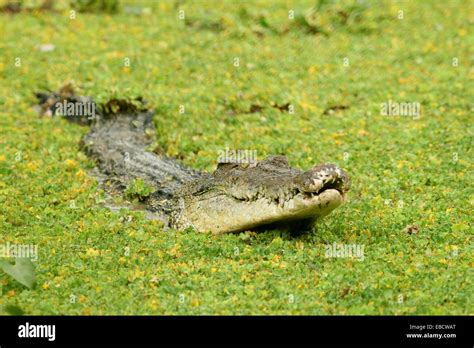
430 46
92 252
138 273
70 163
114 54
307 106
32 166
80 174
404 81
82 299
175 250
154 305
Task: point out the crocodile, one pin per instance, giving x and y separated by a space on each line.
235 197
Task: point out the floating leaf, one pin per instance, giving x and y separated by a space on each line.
12 309
459 227
23 270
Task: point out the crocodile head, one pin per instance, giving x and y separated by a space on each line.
238 197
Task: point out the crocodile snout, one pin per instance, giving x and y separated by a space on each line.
322 177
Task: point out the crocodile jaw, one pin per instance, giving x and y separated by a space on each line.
212 213
238 197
